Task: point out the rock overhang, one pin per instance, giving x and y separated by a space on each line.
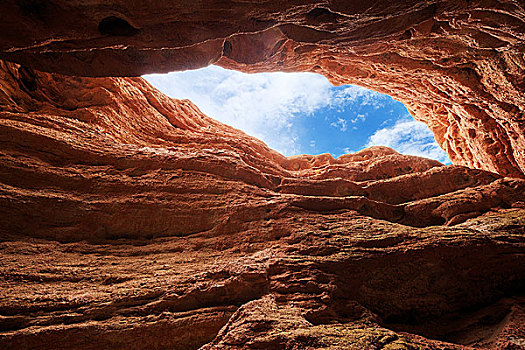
146 223
456 65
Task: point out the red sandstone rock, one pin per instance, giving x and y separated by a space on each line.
458 66
109 157
131 220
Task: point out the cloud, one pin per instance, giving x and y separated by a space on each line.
359 118
409 136
351 95
275 106
340 124
269 106
263 105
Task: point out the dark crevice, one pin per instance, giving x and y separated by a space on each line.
318 12
321 14
477 327
227 48
115 26
27 79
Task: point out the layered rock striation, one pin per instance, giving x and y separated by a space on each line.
458 66
131 220
88 158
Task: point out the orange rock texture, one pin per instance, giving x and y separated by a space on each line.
457 65
129 220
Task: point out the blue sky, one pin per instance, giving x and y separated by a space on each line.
296 113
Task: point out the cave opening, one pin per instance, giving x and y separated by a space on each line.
302 113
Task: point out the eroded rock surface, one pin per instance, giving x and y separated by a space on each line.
88 158
331 281
458 65
129 220
132 221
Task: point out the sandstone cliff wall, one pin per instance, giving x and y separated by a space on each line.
129 220
457 65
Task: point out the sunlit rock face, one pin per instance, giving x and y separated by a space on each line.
457 65
114 158
129 220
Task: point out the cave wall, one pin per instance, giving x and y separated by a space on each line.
458 66
130 220
108 158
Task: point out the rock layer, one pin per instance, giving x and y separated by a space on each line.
88 158
337 281
458 66
131 220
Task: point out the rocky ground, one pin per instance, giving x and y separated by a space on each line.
303 281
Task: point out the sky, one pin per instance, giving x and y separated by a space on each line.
301 113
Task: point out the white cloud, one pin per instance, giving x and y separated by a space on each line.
262 105
351 94
340 124
409 136
265 105
359 118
